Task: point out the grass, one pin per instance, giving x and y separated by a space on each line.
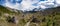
52 17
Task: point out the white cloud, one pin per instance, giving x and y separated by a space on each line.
27 4
58 1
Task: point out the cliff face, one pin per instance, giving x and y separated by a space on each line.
47 17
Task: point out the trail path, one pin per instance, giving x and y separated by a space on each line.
27 24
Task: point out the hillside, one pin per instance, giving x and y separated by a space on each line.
47 17
4 10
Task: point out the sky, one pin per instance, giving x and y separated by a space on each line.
28 5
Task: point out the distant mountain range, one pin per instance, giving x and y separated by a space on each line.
7 9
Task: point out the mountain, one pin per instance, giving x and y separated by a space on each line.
47 17
4 10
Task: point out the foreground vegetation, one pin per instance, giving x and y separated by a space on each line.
48 17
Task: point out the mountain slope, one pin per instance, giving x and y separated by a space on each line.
4 10
47 17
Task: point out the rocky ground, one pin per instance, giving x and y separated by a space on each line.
48 17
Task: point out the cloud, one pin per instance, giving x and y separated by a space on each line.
28 5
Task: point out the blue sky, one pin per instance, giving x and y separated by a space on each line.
14 1
2 2
29 4
11 1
